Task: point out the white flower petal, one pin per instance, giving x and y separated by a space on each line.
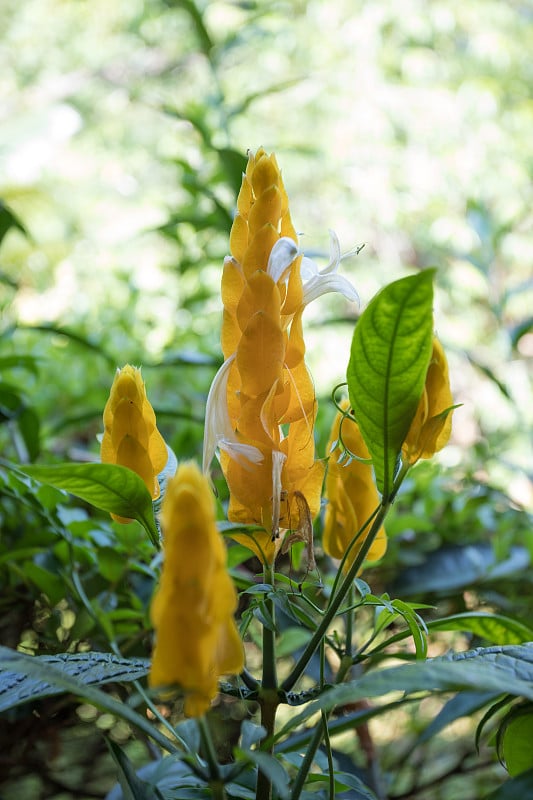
278 459
322 284
218 432
335 257
281 257
240 452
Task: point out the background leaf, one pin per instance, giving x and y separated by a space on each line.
110 487
389 357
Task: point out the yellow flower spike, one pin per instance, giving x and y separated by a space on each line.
431 428
131 438
272 475
192 611
351 495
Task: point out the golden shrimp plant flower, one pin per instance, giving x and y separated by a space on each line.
197 640
261 407
432 424
351 494
131 437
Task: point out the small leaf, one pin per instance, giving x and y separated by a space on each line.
390 353
110 487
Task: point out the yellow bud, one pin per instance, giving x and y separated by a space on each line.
351 496
431 428
131 438
192 611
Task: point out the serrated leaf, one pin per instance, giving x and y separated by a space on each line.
19 684
24 678
492 669
390 353
110 487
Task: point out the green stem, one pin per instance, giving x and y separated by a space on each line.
345 585
268 694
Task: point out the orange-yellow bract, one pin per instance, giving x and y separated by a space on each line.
192 610
351 495
131 438
431 428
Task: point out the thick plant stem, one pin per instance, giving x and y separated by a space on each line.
268 694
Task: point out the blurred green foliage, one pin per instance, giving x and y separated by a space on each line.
404 126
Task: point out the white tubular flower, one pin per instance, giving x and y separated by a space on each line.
318 282
219 433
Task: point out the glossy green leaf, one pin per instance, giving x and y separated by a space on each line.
390 353
110 487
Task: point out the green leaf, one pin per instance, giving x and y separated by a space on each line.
390 353
110 487
9 220
495 628
517 738
133 788
491 669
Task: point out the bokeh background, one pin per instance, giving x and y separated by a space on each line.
402 125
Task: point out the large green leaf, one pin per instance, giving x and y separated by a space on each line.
516 740
110 487
24 678
500 670
18 686
391 349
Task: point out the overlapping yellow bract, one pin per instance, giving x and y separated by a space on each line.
131 438
431 428
268 383
351 495
192 611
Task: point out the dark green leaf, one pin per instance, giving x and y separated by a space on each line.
390 353
518 788
110 487
19 683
